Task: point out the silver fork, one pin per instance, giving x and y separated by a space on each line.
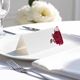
19 68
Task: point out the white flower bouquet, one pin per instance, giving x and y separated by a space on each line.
37 12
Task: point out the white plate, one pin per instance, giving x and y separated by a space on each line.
70 41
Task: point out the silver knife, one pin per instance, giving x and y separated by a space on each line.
9 32
30 28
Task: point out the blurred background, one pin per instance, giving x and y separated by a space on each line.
68 9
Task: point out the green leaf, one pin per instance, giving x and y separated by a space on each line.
31 1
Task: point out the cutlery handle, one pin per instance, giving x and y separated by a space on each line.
30 28
36 73
9 32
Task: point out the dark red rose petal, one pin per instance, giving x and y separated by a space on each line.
57 36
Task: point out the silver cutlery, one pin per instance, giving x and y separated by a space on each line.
19 68
9 32
30 28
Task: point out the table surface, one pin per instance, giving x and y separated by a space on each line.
70 27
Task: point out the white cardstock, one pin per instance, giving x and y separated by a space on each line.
39 40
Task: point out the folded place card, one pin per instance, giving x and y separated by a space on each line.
42 40
32 42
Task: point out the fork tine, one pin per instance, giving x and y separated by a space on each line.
12 64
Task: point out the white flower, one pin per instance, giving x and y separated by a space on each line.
23 15
40 11
44 12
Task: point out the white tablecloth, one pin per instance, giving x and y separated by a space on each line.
70 27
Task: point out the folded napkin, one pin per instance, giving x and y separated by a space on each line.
66 63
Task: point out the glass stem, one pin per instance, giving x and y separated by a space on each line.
1 26
2 22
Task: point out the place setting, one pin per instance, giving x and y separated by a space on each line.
38 44
57 45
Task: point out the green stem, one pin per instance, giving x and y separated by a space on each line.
31 1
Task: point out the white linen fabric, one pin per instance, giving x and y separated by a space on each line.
68 27
66 63
72 68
